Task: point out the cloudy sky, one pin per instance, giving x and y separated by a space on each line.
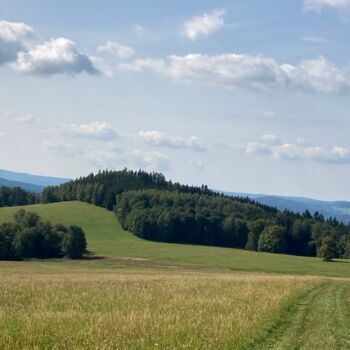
243 95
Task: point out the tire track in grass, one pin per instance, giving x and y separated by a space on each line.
318 319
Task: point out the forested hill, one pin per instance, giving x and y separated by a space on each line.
153 208
101 189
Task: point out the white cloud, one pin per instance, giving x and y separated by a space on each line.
162 139
26 119
112 157
270 139
14 37
96 129
247 71
20 50
151 161
61 148
103 159
203 25
116 49
4 133
314 39
269 114
318 5
198 164
57 56
300 150
139 29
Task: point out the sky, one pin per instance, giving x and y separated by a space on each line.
241 95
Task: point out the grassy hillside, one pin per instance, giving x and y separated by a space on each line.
106 237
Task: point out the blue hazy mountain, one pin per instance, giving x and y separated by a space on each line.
337 209
25 186
30 179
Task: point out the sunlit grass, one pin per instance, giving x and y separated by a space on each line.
75 308
106 237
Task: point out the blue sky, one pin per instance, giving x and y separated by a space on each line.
246 96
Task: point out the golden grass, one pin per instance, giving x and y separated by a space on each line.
136 309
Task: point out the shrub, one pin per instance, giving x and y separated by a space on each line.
29 237
74 243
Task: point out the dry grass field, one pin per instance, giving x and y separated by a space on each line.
56 306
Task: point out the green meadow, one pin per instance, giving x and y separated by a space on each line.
106 238
135 294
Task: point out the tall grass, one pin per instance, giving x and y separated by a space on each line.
136 309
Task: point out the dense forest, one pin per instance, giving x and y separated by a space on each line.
13 196
156 209
29 237
229 222
101 189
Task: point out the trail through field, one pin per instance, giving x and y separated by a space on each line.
320 319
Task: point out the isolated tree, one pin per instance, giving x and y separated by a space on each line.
273 239
328 249
74 243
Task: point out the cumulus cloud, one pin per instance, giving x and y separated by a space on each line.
272 146
247 71
96 130
203 25
318 5
116 49
57 56
14 37
110 156
151 161
21 50
162 139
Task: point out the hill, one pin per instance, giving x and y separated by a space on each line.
338 209
23 185
106 237
31 179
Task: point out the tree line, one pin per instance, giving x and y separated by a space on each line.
30 237
14 196
154 208
195 218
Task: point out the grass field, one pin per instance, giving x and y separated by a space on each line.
59 306
150 295
106 237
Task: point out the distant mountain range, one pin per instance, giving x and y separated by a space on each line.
28 182
25 186
338 209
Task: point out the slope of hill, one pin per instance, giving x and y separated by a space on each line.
106 237
23 185
337 209
31 179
